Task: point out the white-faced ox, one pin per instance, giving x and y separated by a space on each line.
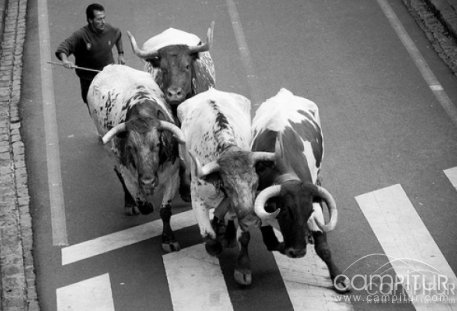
216 126
290 192
179 62
129 110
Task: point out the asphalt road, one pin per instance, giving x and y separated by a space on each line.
382 124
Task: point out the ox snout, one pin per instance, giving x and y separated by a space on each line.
148 184
175 94
248 221
295 252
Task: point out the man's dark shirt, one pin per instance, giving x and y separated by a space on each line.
91 49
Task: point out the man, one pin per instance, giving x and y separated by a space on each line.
91 46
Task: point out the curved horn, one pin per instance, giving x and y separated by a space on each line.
209 168
207 45
263 156
177 133
262 198
112 132
333 212
140 52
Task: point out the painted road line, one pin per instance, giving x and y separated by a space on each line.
56 199
308 282
404 237
123 238
420 62
451 173
196 281
254 87
92 294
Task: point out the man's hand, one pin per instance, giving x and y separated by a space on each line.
68 64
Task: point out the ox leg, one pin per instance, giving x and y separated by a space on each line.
225 229
129 203
340 281
243 273
270 240
184 182
169 243
212 245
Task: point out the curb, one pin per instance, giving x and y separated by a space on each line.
18 290
446 12
438 20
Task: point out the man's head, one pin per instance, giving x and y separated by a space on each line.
95 14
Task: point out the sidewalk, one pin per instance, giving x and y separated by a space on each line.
17 276
16 261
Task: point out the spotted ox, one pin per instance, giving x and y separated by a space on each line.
129 110
291 195
179 62
216 126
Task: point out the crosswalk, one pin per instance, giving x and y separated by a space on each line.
391 215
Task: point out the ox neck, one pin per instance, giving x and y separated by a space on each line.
286 177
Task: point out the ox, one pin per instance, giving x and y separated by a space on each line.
179 62
129 110
290 192
217 126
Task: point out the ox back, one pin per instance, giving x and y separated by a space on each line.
118 88
213 121
297 120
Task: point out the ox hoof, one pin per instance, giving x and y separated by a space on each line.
169 247
243 278
341 284
146 208
131 210
213 247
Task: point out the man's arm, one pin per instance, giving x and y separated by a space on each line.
65 49
120 50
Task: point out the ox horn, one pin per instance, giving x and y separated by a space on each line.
262 198
140 52
177 133
113 132
209 168
207 45
333 212
263 156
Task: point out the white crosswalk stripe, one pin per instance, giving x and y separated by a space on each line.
451 173
195 280
123 238
92 294
404 237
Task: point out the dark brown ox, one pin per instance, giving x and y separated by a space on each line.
291 193
129 111
216 126
183 70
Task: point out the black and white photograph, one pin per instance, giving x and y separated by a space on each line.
228 155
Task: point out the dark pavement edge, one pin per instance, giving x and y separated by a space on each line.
438 20
17 282
18 291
